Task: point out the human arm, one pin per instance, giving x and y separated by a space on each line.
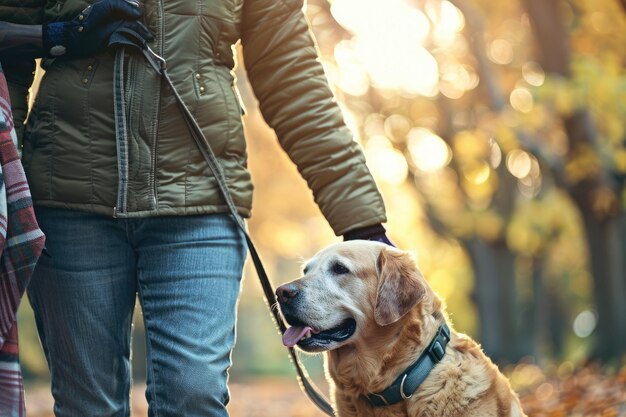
24 36
19 71
84 35
22 40
282 64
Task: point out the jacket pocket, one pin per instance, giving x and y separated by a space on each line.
199 80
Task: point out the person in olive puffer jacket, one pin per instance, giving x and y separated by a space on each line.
128 203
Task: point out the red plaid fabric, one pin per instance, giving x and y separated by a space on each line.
21 243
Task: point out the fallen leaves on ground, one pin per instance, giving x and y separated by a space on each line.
590 391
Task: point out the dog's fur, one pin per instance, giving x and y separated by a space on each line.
397 314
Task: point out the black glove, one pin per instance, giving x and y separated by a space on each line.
376 233
89 32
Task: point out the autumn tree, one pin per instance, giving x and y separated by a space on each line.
517 152
594 159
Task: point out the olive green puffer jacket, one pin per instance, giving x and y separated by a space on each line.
78 154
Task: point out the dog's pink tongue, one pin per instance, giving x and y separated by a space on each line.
293 335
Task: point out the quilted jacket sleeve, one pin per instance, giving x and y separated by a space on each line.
282 64
20 72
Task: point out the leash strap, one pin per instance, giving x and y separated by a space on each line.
126 37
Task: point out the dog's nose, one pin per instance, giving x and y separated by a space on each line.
287 292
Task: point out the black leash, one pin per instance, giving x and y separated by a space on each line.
127 37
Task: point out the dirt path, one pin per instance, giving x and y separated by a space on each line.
266 398
588 392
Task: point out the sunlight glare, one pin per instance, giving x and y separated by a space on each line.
387 42
447 20
456 79
428 151
386 163
411 69
351 121
352 77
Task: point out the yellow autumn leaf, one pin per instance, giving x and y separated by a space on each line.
583 164
620 160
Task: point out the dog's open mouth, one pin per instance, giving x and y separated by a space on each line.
305 336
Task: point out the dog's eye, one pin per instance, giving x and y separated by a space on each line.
340 269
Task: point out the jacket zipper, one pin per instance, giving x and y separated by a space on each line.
121 126
130 88
158 107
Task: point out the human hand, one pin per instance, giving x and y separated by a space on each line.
89 32
375 233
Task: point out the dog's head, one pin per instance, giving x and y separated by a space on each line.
349 291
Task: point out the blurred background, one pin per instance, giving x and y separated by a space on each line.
495 130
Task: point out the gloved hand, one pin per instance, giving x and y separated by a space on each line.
376 233
89 32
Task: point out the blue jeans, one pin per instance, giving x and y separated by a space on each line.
187 272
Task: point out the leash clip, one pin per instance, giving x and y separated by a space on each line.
155 60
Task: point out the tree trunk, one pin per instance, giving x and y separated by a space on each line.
496 298
558 321
605 247
602 230
623 227
539 310
546 322
606 250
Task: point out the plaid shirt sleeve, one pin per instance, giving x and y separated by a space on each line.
21 243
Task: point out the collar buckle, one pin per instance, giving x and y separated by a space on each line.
436 351
437 348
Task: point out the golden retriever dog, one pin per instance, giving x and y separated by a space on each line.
391 350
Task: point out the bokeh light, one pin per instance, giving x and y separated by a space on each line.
477 173
456 79
533 74
397 127
352 77
428 151
501 51
521 100
495 157
584 323
447 20
386 163
518 163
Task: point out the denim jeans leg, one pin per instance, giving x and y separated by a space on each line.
83 293
189 274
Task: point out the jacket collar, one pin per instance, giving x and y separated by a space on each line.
412 377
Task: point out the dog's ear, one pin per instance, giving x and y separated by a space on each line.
400 286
